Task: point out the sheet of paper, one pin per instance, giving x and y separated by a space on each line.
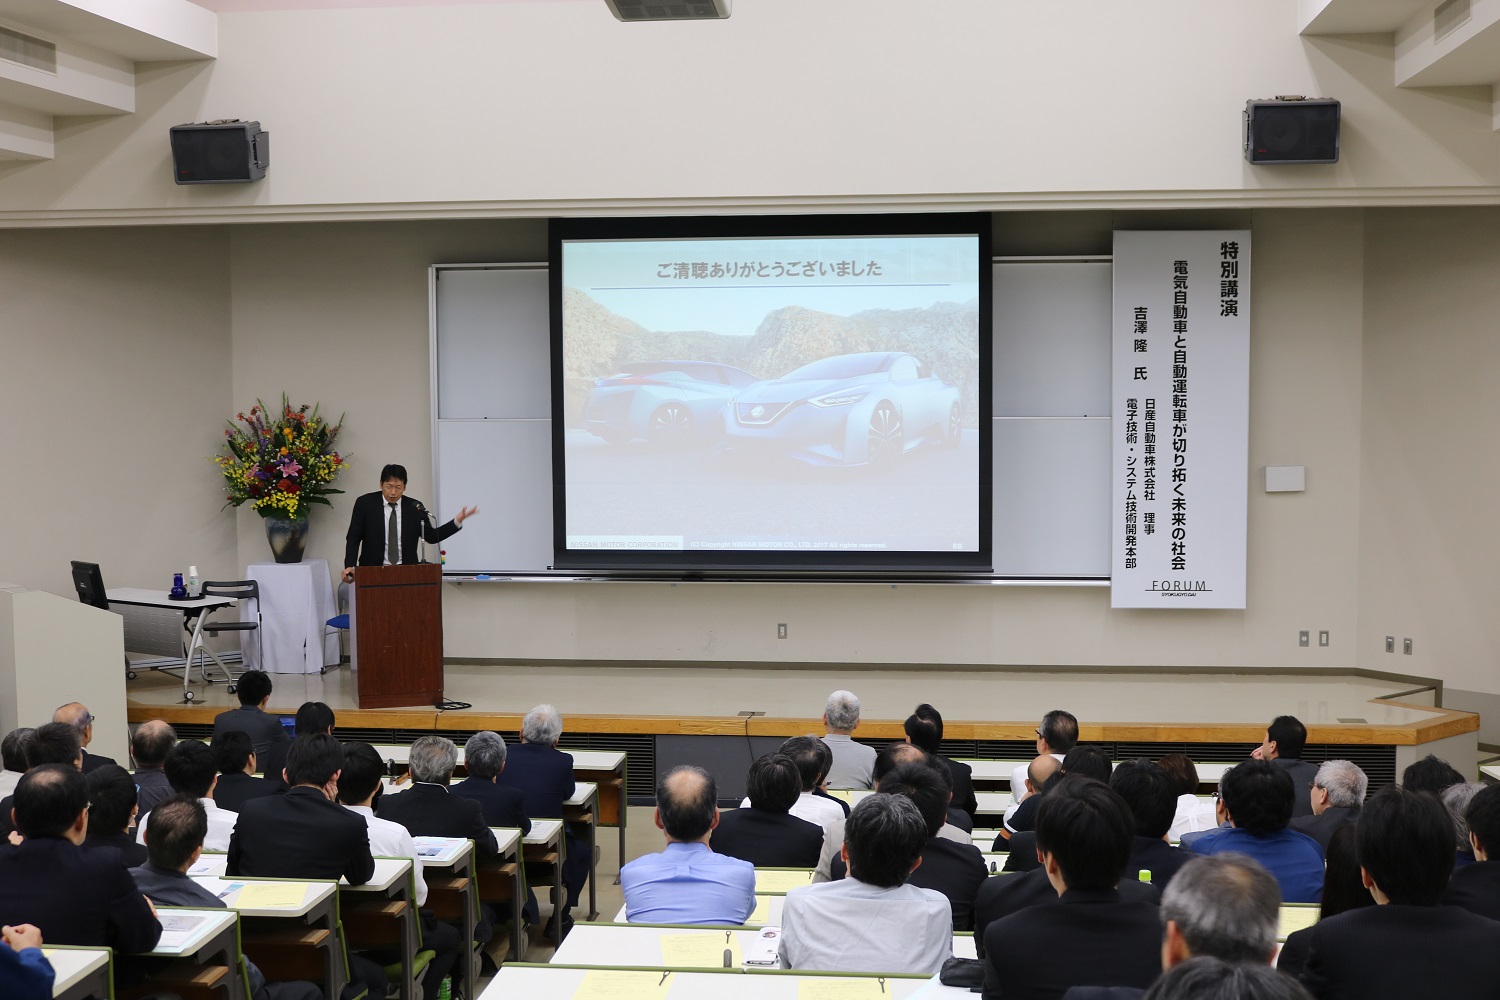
781 881
762 911
702 950
1294 918
208 864
271 895
814 988
177 929
618 984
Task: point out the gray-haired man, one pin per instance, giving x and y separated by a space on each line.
853 763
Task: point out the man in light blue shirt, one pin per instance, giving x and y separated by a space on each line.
688 883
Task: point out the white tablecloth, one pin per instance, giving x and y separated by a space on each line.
296 602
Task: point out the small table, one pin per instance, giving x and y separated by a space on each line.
296 603
606 768
445 858
79 973
583 809
315 905
547 844
686 984
140 597
390 884
203 935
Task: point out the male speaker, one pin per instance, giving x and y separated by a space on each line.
220 152
1292 130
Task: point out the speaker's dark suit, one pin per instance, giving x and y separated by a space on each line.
1403 951
1090 938
501 804
1002 895
1476 888
300 835
767 839
434 811
234 790
75 895
364 545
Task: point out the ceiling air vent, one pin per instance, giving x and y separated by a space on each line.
28 50
662 10
1448 17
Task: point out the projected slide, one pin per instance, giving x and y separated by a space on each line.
808 394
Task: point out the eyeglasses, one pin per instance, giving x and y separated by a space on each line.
1039 734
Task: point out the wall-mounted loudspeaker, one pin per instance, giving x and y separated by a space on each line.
668 10
1292 130
222 152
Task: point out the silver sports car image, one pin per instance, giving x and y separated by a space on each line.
665 402
850 409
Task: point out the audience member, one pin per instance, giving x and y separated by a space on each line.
811 756
25 973
544 775
502 805
112 810
874 920
72 895
313 717
1456 799
1081 761
825 764
13 755
924 729
1057 734
955 870
358 789
53 743
1285 740
234 754
853 763
1338 793
1148 791
1193 815
891 756
1343 890
1215 979
149 746
687 883
77 715
1257 797
1041 768
266 733
1084 833
1418 946
193 771
176 843
429 808
765 833
1477 887
1431 774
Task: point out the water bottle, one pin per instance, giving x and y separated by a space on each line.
445 989
1144 875
178 591
193 587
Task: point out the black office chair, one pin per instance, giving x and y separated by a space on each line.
240 590
89 584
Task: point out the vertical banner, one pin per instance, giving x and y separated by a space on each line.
1181 423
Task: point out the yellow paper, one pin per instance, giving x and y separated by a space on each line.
762 911
1295 918
271 896
814 988
845 794
702 950
781 881
617 984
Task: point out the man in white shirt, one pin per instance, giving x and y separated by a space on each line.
853 763
192 769
1057 734
359 787
871 921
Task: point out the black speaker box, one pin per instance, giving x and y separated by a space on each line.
222 152
1292 131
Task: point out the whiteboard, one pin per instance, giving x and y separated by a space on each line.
492 374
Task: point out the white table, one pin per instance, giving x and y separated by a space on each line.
296 603
671 946
78 972
200 606
555 981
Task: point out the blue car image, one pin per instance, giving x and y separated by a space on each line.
667 403
851 409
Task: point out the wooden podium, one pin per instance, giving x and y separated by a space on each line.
396 635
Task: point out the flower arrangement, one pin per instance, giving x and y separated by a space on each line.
280 466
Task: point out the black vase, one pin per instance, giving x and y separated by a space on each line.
288 538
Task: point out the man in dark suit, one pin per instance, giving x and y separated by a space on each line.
112 798
235 755
1476 887
267 736
54 743
484 759
384 527
1338 792
75 896
1285 739
429 808
1082 761
77 715
1093 937
149 746
544 774
766 834
1152 797
924 728
1408 945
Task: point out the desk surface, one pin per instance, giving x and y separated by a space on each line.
1001 770
159 599
598 984
268 897
779 881
583 793
185 930
71 965
441 852
583 760
621 945
388 871
543 831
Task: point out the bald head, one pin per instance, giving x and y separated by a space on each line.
687 804
77 715
151 742
1041 768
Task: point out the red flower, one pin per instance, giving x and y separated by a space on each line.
292 487
286 485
